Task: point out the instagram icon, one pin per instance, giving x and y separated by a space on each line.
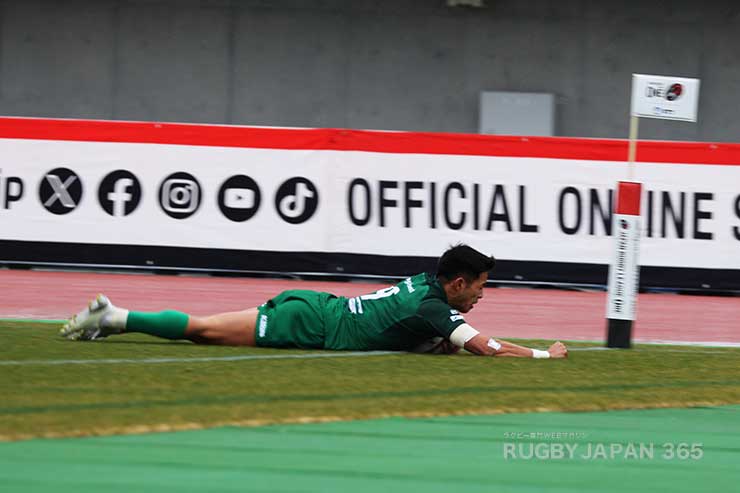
180 195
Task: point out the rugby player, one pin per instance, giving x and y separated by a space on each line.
404 317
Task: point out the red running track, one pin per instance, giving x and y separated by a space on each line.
503 312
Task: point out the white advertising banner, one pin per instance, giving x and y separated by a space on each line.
383 203
666 98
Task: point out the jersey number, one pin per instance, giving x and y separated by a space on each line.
355 304
381 293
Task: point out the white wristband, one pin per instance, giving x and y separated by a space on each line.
539 354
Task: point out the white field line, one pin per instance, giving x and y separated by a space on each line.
659 342
688 343
246 357
684 349
253 357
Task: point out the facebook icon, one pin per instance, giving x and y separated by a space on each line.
119 193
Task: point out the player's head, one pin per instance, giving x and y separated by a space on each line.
463 271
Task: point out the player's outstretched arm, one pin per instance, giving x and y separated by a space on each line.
485 346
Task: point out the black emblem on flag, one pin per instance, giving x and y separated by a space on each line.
674 92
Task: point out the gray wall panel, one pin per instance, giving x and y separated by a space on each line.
290 70
720 85
56 59
172 63
385 64
554 62
407 70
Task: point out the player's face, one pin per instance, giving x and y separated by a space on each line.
464 295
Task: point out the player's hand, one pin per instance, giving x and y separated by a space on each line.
558 350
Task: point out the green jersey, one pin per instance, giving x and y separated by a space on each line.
399 317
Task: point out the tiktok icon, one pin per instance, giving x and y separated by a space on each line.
296 200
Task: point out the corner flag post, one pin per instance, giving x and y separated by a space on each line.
667 98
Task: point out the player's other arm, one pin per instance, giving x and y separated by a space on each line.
469 338
496 347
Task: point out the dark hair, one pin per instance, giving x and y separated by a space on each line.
463 261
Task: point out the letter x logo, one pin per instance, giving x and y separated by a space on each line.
60 191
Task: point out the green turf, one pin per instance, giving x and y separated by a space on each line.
96 398
461 454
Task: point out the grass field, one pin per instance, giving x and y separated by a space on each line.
55 387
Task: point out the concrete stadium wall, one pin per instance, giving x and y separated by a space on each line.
382 64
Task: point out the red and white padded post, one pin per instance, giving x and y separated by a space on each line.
624 270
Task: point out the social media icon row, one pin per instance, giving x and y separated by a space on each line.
180 195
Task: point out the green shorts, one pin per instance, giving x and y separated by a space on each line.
294 318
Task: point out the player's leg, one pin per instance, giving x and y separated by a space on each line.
227 329
101 319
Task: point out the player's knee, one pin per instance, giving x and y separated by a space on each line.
200 332
198 327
